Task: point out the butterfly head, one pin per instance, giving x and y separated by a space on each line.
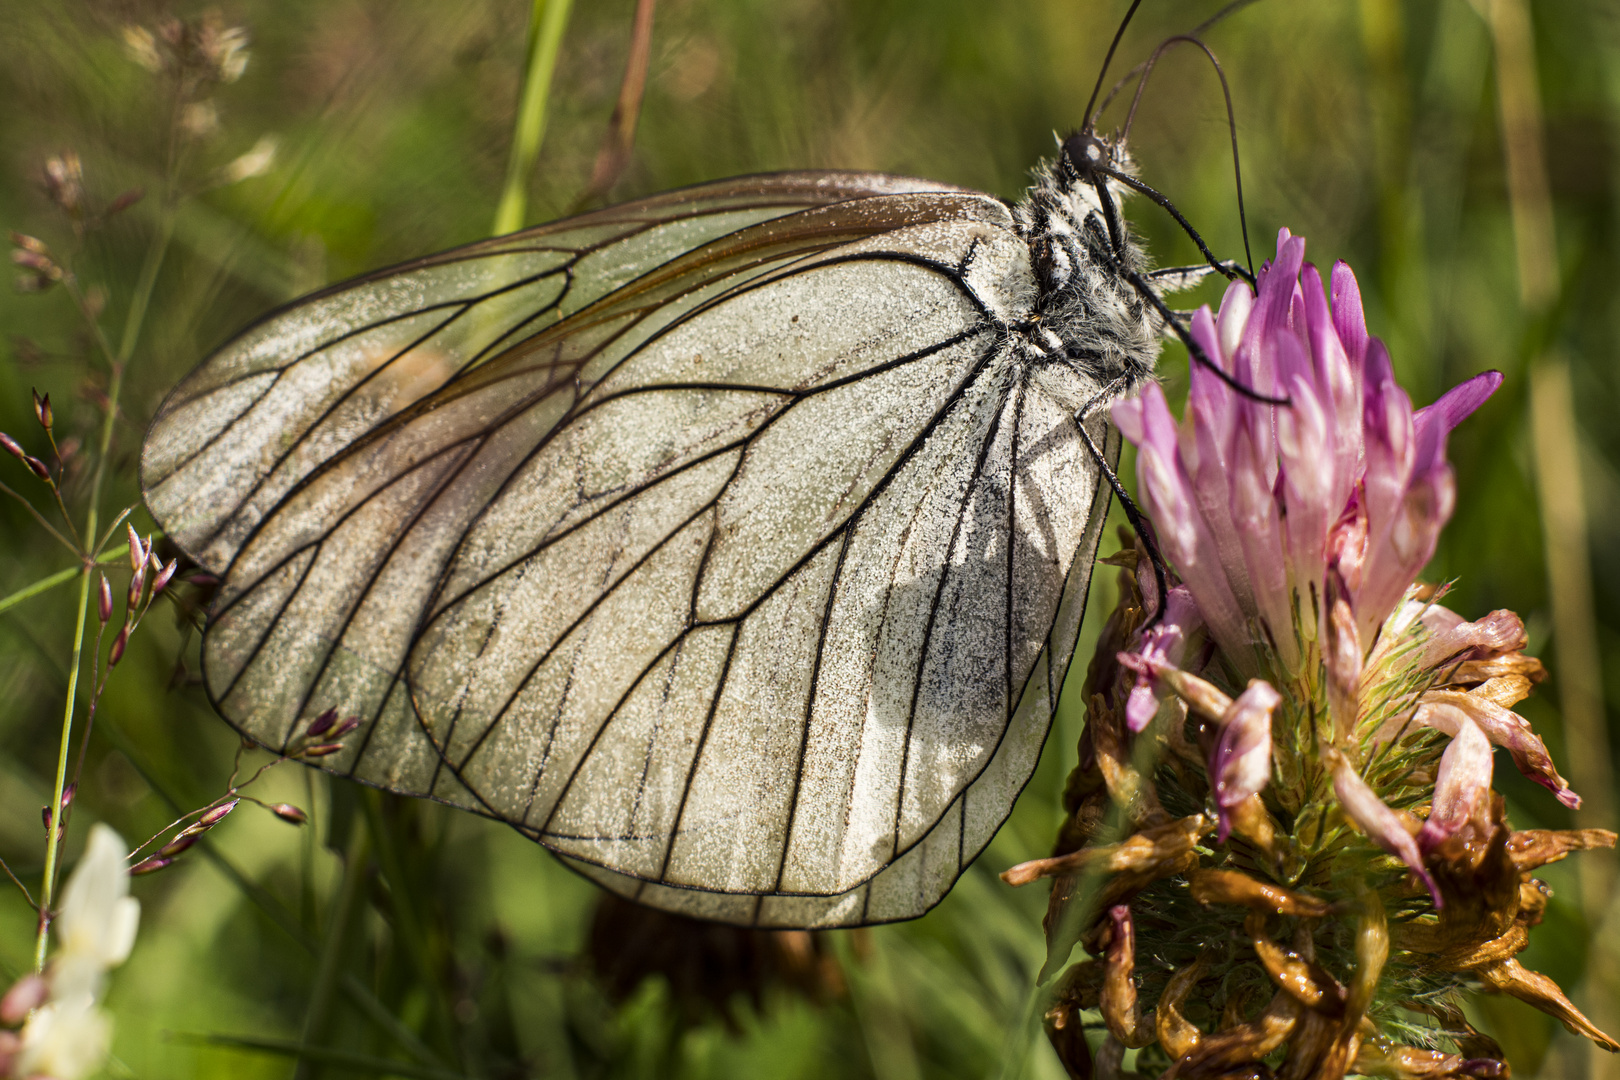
1087 152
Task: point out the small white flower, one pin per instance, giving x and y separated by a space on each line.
256 162
68 1037
142 47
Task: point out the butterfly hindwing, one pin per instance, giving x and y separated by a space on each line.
751 568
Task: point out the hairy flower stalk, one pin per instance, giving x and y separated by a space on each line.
1283 853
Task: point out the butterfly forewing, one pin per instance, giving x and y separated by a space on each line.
716 541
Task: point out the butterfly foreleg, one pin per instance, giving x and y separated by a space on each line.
1133 513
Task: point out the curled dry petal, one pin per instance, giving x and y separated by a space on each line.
1363 806
1503 728
1312 1042
1341 656
1212 886
1463 785
1393 1061
1306 981
1505 691
1178 1035
1205 698
1241 1044
1240 762
1065 1030
1530 848
1450 636
1164 642
1148 851
1513 978
1121 1010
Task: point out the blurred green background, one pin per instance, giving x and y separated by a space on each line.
1370 127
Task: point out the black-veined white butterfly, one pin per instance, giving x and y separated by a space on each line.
732 543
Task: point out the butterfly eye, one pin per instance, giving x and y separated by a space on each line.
1086 151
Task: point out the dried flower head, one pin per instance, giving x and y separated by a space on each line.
197 52
1284 788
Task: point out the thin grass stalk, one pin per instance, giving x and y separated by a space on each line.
318 1013
1556 453
547 20
45 584
410 925
272 909
53 833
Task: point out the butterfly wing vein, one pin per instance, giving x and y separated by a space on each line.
740 567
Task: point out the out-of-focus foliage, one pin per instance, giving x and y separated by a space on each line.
1370 127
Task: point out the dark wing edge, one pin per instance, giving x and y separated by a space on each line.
904 890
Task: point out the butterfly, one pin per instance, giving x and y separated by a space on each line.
732 543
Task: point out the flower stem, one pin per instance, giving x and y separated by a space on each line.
547 20
117 363
328 972
53 834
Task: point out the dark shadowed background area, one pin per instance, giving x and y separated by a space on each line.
1372 127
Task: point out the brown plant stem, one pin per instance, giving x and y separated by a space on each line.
1554 439
620 138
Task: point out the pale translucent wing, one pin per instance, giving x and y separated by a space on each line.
725 581
921 877
304 384
320 605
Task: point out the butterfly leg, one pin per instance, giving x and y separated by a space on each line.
1132 513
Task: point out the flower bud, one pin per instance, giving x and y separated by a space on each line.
116 653
181 842
151 865
1341 656
137 582
26 994
217 814
104 601
124 202
344 728
33 260
64 182
167 572
1240 761
42 410
322 723
289 812
137 550
1205 698
320 750
11 446
37 467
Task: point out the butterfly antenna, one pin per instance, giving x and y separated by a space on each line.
1133 513
1101 75
1194 350
1230 9
1231 126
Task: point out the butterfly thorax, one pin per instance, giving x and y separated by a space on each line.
1087 313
